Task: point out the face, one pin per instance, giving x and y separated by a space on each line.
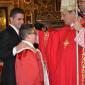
68 17
82 6
44 29
33 36
17 20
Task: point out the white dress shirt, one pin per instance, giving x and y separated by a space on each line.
17 31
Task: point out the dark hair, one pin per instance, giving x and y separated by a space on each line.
25 29
39 26
15 11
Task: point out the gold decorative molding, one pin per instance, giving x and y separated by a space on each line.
83 66
6 3
27 2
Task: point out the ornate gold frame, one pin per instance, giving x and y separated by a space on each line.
28 16
3 17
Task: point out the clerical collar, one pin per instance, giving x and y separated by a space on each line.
30 44
17 31
71 25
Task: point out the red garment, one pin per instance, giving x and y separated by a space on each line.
67 47
82 62
68 56
62 56
43 40
50 53
53 60
29 68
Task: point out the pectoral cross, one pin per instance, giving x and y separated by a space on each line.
66 43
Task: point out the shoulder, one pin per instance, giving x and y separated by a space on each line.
26 51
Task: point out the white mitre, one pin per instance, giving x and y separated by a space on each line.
67 5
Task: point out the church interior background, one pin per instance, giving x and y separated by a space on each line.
45 11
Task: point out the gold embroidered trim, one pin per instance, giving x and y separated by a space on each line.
83 66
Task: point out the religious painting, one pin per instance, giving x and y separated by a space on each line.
3 18
28 16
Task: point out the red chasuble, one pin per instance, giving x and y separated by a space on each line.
61 54
61 57
53 60
68 65
28 68
68 56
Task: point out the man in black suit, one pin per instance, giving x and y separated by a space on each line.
9 39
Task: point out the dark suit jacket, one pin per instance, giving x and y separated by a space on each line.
8 39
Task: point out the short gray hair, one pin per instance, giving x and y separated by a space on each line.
25 30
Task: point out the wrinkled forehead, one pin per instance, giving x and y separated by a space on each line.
64 12
67 12
81 1
81 4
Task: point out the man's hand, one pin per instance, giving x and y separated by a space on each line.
77 25
80 38
21 46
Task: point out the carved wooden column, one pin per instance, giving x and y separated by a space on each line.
16 3
19 3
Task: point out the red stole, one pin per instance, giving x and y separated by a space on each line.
68 57
43 40
40 66
53 60
82 63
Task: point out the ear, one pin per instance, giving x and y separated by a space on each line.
28 36
11 19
